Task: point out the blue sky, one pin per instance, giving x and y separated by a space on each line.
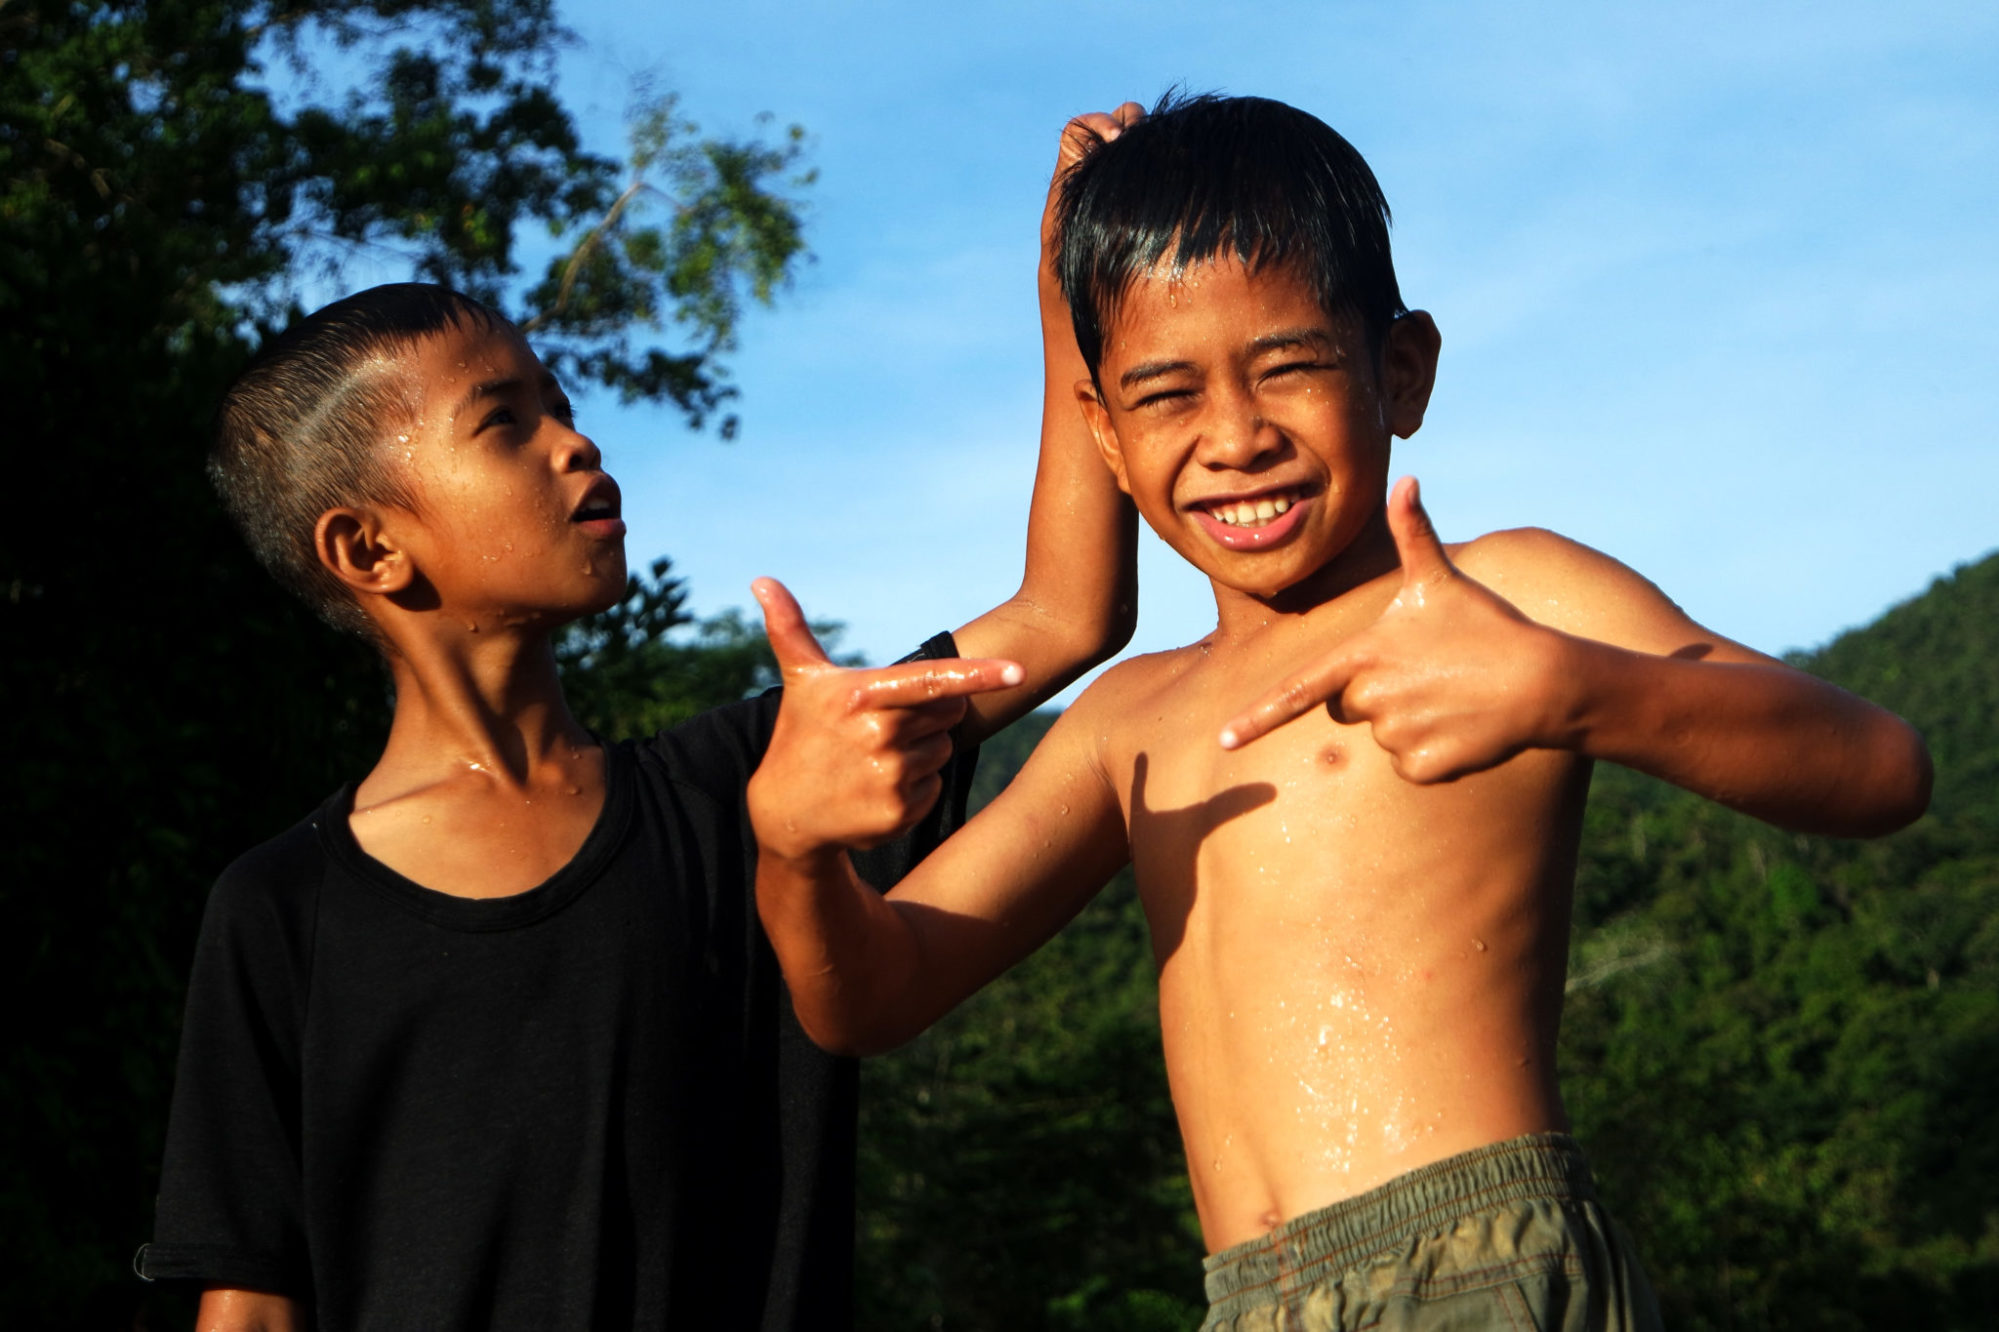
1717 285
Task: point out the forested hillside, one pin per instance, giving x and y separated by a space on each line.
1782 1053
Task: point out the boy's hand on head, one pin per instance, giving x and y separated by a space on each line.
1080 137
1452 678
855 756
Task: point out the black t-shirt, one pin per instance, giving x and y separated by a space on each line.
585 1106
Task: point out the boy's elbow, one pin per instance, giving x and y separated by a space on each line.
852 1039
1913 777
1900 779
1112 635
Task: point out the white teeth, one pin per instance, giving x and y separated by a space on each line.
1252 513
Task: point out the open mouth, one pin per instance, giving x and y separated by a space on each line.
598 514
1253 522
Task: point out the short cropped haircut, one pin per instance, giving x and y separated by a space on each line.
305 428
1205 175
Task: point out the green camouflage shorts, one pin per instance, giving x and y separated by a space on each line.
1507 1236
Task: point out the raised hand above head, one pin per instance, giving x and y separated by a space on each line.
1451 678
855 756
1079 138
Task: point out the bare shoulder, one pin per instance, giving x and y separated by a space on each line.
1117 702
1133 681
1567 585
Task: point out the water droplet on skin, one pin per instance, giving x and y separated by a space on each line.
1478 944
572 790
426 818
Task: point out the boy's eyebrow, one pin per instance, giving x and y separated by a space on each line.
1306 336
1138 374
499 388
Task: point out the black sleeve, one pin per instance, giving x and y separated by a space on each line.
231 1193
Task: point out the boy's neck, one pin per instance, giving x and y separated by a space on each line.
1241 615
494 704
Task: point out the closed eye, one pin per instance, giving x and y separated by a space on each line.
1162 398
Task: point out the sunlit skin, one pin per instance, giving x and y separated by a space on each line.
511 529
1353 808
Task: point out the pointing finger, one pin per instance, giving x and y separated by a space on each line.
927 681
1422 554
1290 700
784 624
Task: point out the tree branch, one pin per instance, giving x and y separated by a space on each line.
583 250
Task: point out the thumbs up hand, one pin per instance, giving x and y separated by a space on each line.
855 756
1451 678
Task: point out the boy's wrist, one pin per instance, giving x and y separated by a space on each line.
1577 677
798 852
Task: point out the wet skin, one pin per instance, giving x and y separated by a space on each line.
511 530
1358 974
1361 917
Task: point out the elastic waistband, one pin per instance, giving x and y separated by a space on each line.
1425 1200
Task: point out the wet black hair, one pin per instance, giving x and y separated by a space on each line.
305 428
1206 174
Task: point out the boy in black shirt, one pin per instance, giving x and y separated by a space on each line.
493 1039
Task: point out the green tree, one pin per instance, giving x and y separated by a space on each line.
628 672
161 209
1783 1052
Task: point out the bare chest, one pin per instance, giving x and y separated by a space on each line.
1310 830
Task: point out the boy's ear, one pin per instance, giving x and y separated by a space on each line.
1102 431
1409 371
361 551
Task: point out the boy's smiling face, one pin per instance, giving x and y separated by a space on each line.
514 521
1249 426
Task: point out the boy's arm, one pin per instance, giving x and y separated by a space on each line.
226 1310
1454 678
1078 598
850 767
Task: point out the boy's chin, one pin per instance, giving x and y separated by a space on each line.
603 601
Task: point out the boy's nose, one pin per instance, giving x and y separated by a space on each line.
579 454
1237 437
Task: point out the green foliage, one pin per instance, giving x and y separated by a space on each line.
627 674
1782 1051
160 208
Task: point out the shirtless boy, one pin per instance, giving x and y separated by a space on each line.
1353 808
492 1040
